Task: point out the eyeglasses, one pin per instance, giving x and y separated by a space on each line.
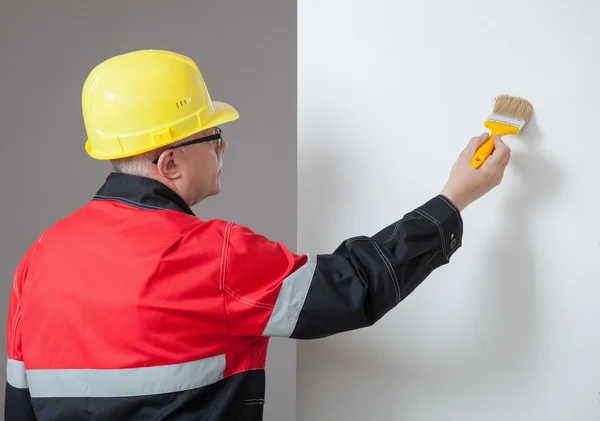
215 136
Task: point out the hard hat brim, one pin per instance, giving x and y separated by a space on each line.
223 113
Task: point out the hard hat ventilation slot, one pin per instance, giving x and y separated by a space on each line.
181 103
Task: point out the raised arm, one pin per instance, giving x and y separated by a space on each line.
270 291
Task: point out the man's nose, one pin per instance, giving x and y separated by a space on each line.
223 146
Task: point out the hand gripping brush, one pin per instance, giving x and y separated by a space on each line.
509 116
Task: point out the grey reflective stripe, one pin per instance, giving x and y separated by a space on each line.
291 300
15 374
125 382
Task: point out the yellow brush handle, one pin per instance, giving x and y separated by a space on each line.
487 148
483 152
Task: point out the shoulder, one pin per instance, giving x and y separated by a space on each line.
229 232
236 241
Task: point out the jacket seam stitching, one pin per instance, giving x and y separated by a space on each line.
19 309
456 212
439 227
352 240
257 402
224 252
398 224
15 323
223 283
247 300
129 202
390 268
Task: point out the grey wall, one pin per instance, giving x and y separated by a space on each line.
246 51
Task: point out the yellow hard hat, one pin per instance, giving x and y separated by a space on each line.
143 100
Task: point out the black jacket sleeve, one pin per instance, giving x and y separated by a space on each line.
366 277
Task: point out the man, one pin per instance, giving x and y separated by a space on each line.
132 308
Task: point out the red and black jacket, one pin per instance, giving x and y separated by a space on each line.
132 308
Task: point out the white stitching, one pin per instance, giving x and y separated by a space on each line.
14 330
389 267
224 252
440 229
224 287
129 202
226 237
16 289
457 215
17 315
352 240
398 224
246 300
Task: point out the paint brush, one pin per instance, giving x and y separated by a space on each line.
508 117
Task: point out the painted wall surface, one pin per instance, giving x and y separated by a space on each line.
247 54
390 92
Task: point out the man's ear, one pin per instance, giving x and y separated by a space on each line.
168 166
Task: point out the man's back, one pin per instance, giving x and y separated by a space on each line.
121 316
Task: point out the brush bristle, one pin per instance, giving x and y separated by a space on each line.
513 106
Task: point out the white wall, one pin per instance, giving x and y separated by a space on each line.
389 94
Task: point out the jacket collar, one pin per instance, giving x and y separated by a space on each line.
141 192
